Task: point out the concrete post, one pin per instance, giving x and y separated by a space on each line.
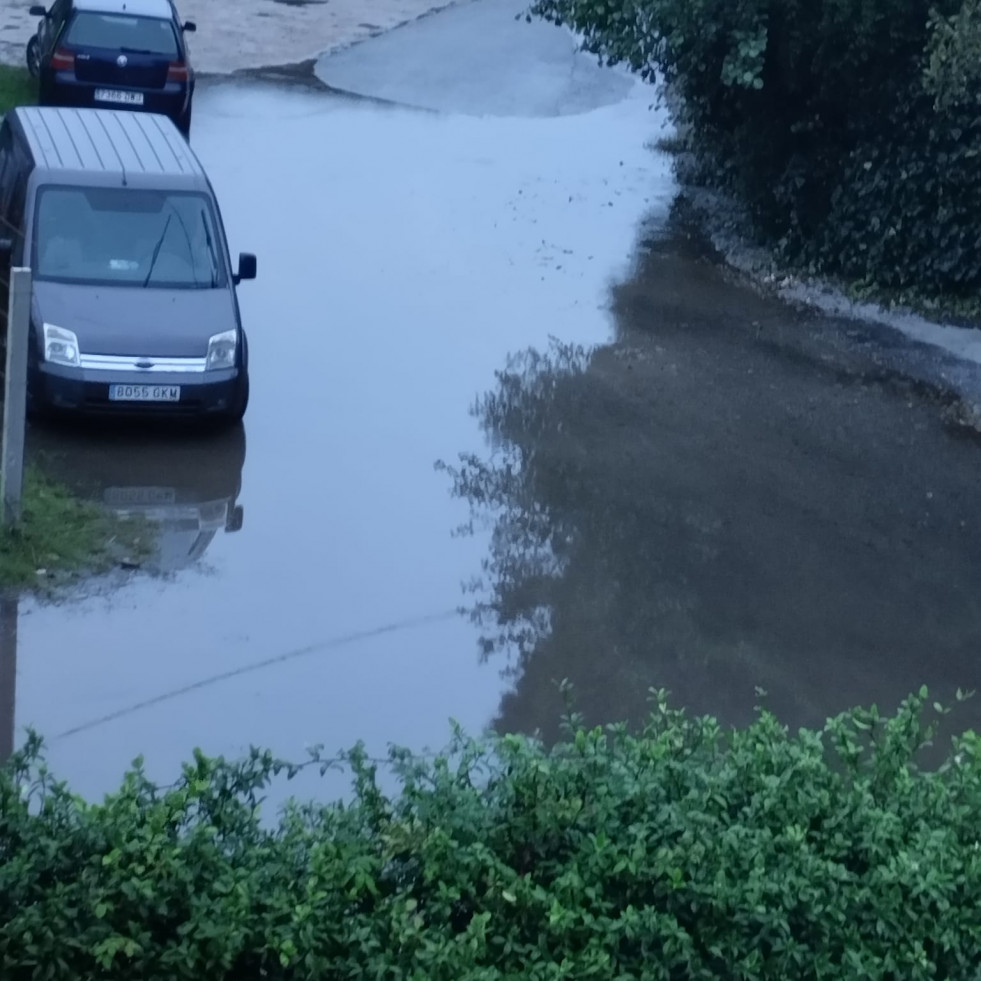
15 395
9 604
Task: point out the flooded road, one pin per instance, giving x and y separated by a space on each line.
667 479
402 256
732 496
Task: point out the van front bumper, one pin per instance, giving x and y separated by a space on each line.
87 390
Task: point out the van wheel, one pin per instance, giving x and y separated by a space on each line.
34 56
36 410
236 412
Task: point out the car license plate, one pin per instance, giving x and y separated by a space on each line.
114 95
144 393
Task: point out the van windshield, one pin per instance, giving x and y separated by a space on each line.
127 237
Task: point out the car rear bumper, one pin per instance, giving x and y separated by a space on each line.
87 391
64 89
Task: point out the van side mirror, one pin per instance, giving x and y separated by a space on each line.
189 26
246 267
38 11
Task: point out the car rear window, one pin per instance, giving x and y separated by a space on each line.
123 32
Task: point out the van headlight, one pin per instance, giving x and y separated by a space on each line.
60 346
221 350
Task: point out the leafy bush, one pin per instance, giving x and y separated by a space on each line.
847 126
679 852
901 214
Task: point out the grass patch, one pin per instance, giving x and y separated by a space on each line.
62 535
17 88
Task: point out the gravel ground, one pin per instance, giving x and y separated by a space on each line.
241 34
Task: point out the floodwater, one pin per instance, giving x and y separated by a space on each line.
733 501
653 476
307 590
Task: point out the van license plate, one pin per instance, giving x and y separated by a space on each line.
122 496
144 393
114 95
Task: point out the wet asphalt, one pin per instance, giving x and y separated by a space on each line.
667 479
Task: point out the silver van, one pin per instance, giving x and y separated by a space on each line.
135 308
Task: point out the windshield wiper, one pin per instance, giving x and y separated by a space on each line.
211 249
190 248
156 250
140 51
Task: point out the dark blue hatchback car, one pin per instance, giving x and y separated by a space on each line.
114 54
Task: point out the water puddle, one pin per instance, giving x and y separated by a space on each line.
308 591
728 500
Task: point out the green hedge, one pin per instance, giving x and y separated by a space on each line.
17 88
848 127
681 852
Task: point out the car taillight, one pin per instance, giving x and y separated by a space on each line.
63 60
177 72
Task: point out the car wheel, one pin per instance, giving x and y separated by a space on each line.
184 124
34 56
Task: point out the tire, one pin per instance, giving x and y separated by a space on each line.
236 411
184 124
34 56
36 408
38 411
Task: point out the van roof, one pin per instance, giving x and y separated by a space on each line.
140 8
109 146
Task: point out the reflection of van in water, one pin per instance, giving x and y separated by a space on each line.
186 488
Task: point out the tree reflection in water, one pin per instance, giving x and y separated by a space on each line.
656 522
524 504
582 578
